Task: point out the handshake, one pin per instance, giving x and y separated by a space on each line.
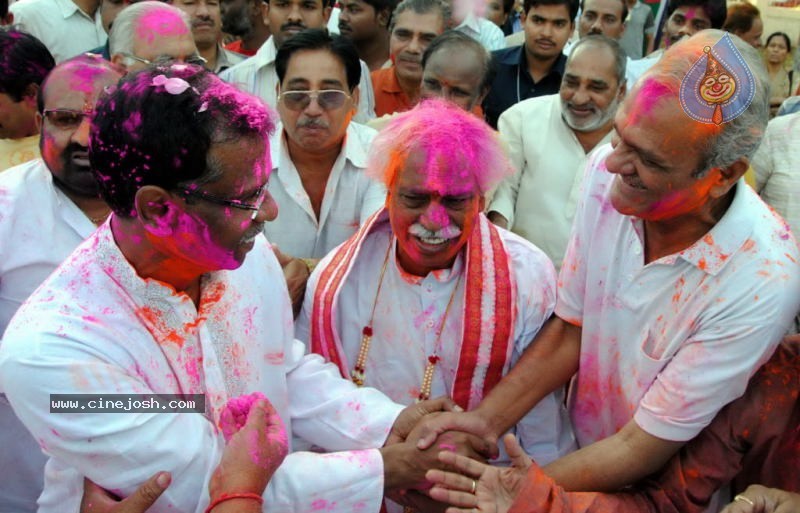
256 444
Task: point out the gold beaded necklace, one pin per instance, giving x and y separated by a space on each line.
359 371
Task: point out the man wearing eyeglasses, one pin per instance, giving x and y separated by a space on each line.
148 32
318 154
47 207
179 293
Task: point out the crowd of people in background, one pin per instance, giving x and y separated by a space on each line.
413 254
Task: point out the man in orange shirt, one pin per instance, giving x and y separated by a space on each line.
415 23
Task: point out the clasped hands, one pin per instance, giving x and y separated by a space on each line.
421 432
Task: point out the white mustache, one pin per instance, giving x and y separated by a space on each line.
448 232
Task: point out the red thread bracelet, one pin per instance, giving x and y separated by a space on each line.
228 496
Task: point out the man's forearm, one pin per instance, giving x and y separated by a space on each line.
617 461
548 363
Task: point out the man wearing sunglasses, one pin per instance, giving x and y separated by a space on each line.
318 154
47 207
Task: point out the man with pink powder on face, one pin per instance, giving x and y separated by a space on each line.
178 292
428 297
678 283
47 207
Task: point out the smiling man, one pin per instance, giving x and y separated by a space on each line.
538 202
179 293
319 155
678 282
536 67
429 298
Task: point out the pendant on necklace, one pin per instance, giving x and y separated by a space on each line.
427 378
359 371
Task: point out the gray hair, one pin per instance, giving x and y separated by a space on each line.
601 41
424 7
123 32
739 137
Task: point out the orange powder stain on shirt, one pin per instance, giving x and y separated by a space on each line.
156 326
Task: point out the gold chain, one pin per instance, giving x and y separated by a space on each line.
360 369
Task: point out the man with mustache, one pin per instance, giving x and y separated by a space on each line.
429 297
49 206
286 18
206 23
415 23
366 23
318 154
535 68
538 202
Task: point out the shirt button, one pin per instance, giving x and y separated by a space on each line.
637 250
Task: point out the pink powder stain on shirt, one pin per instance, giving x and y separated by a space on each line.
274 358
322 505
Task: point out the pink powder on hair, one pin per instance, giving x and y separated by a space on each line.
160 23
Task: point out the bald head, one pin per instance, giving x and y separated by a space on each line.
66 104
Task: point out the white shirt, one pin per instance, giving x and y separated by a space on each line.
408 313
484 31
350 197
671 342
95 326
60 24
540 198
257 76
40 227
777 166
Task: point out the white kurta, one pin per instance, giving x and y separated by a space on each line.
96 327
540 198
257 76
669 343
408 314
777 166
39 228
350 197
63 28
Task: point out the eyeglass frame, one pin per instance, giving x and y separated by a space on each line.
261 196
314 95
197 60
84 113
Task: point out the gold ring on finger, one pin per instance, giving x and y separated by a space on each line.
743 499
